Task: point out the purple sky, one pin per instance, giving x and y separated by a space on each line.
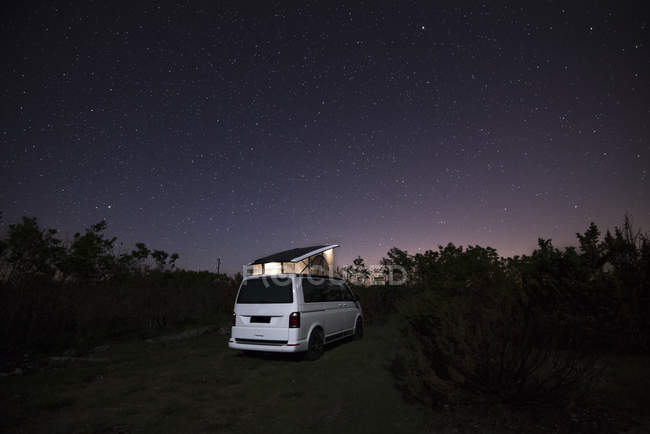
232 133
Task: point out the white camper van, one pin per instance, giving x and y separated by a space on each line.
290 302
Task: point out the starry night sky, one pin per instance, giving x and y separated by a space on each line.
234 132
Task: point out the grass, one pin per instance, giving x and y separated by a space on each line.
199 385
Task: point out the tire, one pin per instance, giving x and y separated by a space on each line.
358 330
316 346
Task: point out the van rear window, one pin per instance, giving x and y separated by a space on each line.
266 290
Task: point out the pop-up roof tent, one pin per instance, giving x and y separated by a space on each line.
314 260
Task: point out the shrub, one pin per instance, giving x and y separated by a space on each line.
53 296
379 301
42 314
487 345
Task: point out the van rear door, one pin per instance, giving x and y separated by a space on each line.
262 310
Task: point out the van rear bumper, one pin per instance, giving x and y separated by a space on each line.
275 347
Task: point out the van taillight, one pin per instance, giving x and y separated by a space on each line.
294 320
234 319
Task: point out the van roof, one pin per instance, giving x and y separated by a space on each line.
269 276
294 255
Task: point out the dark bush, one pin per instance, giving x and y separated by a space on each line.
378 302
487 345
46 315
54 296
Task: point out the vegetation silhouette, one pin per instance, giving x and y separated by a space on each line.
475 325
55 296
529 328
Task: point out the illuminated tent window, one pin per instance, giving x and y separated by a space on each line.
273 268
289 267
314 265
314 260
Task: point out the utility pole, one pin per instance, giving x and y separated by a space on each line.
218 265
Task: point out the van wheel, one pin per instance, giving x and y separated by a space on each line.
358 329
315 347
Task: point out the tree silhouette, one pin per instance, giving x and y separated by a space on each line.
360 270
140 254
591 248
404 262
91 254
172 260
30 250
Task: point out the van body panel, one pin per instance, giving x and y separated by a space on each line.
261 333
249 315
327 314
265 326
348 315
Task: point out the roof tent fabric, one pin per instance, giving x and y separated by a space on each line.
292 254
